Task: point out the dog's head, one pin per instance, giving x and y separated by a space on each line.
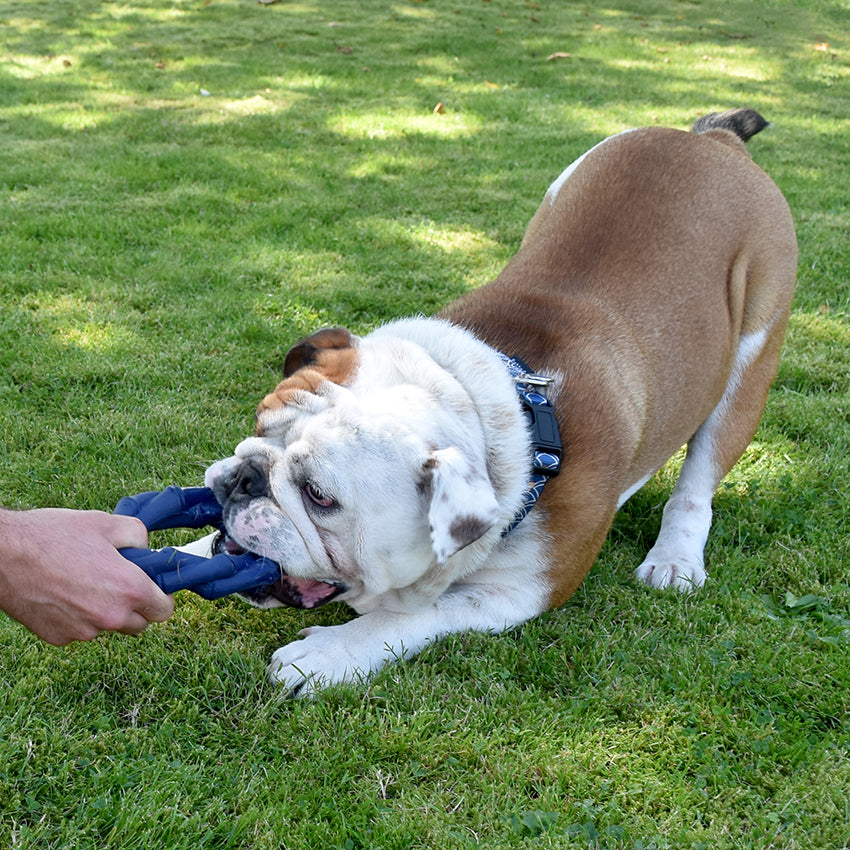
366 475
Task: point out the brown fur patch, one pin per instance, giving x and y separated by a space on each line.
638 295
328 355
465 529
321 349
305 380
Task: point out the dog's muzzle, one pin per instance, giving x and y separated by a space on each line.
287 590
250 480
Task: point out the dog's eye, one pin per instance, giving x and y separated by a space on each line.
317 497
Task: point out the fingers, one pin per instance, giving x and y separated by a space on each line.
63 578
154 605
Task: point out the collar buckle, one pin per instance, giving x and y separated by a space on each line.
545 436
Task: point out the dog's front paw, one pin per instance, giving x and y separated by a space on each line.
322 657
668 569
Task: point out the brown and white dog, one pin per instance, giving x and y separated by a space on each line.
653 284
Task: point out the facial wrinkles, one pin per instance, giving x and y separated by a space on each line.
279 527
368 463
344 565
365 454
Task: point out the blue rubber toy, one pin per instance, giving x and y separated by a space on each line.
172 570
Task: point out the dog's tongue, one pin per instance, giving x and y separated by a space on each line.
312 592
293 592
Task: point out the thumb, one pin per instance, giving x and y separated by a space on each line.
128 532
125 532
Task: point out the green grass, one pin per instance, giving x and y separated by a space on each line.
160 249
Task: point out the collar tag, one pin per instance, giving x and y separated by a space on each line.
529 379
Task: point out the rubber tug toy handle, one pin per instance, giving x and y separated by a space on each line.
172 569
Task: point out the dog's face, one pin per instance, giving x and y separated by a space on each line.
360 483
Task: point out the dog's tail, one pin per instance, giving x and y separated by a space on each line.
744 123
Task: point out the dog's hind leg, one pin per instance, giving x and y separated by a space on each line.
677 557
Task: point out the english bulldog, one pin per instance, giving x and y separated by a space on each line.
645 308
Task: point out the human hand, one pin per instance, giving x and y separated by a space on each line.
62 576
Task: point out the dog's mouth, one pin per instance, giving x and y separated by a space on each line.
287 590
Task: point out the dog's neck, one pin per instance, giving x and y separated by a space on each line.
491 385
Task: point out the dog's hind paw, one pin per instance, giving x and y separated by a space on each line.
661 570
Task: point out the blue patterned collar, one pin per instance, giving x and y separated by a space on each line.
545 437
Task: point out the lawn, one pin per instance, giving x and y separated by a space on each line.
189 186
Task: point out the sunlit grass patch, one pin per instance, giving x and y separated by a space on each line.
395 125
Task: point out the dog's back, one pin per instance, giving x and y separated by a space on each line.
657 272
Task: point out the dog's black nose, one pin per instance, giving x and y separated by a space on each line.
249 480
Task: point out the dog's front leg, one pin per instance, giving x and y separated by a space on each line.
352 651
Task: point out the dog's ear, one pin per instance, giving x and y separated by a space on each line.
326 356
463 503
326 350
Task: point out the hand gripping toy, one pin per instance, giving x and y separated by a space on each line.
171 569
